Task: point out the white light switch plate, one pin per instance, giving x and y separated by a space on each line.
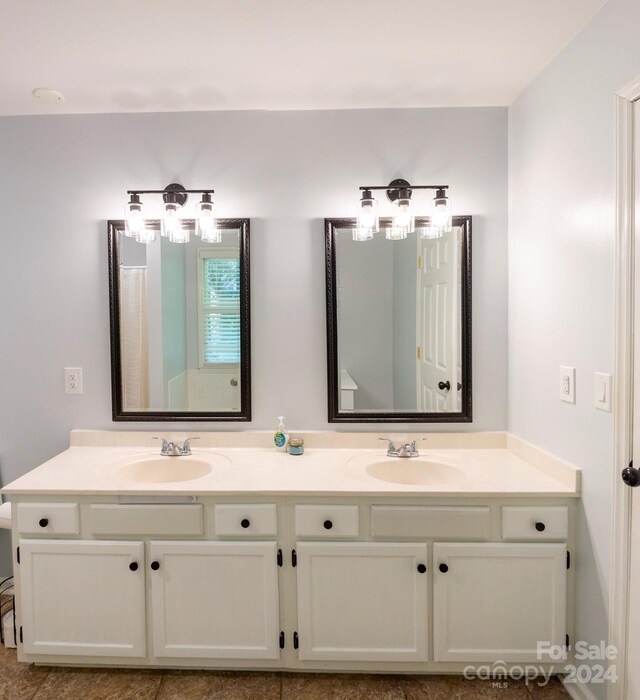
602 392
568 384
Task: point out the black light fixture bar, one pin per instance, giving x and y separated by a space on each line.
408 187
168 191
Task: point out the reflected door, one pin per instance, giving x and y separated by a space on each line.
437 325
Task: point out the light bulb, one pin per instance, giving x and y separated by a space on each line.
133 219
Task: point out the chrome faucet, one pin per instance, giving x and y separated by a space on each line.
409 449
170 449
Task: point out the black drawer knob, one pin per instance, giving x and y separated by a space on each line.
155 565
43 522
328 524
133 566
540 527
422 568
245 523
443 568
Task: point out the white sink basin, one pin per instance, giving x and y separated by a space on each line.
414 470
165 470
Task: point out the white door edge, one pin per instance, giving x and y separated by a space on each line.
623 378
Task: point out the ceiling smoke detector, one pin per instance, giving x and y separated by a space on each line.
47 96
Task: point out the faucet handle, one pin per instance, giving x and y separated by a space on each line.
392 450
165 443
186 448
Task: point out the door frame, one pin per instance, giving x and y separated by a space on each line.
623 377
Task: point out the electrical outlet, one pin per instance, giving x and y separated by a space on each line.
568 384
73 380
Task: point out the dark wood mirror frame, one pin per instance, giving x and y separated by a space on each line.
335 415
115 227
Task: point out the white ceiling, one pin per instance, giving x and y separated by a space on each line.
185 55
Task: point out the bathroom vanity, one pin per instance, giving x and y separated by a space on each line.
342 559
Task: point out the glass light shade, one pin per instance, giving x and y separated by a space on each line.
206 223
441 221
396 233
147 235
362 234
431 232
368 217
404 220
133 219
180 235
172 224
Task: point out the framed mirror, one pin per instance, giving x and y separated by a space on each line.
399 324
180 325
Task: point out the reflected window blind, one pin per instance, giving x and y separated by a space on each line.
220 310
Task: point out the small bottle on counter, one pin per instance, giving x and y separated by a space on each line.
281 435
296 446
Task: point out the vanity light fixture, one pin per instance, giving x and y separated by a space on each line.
174 197
399 192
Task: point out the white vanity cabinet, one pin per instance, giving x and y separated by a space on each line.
497 601
338 582
82 598
362 601
215 599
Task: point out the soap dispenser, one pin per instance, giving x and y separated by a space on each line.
281 435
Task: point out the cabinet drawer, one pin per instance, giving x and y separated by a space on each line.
249 519
48 519
535 522
420 522
145 520
327 521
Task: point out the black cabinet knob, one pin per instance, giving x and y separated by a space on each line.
155 565
444 385
43 522
540 527
245 523
328 524
443 568
133 566
421 568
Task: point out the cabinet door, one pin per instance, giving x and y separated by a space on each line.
82 598
215 600
362 601
497 601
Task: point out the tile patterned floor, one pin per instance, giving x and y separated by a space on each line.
27 682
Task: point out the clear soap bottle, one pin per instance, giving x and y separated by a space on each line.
281 435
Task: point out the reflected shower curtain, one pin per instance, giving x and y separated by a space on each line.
134 338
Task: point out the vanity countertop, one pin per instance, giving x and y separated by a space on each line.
99 470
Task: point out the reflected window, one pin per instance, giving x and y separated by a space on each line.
219 306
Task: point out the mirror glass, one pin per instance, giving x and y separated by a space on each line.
399 320
180 325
